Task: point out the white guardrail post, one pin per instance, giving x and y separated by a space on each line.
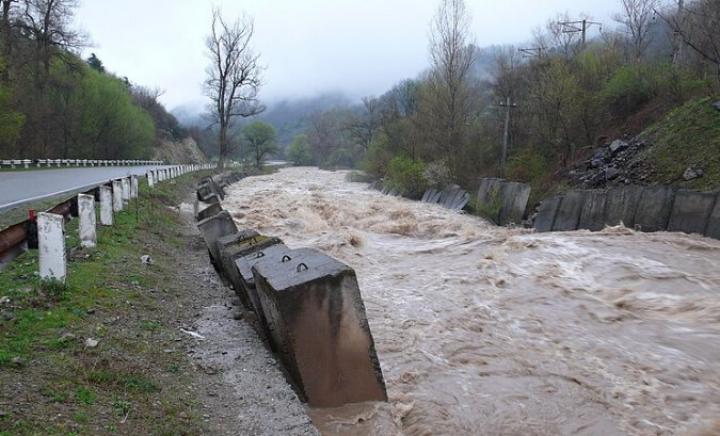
117 195
106 206
51 246
87 222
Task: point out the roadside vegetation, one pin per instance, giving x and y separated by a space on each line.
53 104
103 353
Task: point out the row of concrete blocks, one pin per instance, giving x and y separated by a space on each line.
308 308
453 198
502 202
113 198
649 209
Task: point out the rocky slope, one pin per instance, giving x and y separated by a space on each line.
683 149
185 151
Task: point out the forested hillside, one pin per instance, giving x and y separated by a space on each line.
54 104
576 86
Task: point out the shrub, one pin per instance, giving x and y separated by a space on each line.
299 151
407 176
437 174
628 89
377 157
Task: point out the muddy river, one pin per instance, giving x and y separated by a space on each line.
486 330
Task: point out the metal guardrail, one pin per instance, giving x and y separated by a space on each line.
14 237
39 163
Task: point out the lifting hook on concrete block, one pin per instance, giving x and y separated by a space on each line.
286 258
301 266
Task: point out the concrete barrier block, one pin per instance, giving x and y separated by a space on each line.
87 221
691 211
231 250
225 245
712 229
214 228
489 199
106 206
514 198
568 214
51 247
151 178
593 212
317 323
117 196
547 211
654 208
621 205
271 250
208 211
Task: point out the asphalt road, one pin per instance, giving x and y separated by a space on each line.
18 187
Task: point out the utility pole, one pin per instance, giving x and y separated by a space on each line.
580 26
677 37
508 105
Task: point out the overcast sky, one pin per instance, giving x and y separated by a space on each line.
359 47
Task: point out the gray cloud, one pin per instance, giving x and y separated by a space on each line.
359 47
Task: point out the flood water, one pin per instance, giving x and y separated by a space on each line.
486 330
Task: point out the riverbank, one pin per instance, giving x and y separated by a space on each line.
134 348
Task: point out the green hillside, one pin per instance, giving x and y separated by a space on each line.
687 136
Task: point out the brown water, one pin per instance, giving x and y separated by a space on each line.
486 330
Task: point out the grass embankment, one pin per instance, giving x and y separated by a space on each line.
135 380
687 136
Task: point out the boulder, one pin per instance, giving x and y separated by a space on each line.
692 173
317 322
618 145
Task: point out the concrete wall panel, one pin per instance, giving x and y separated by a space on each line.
568 214
593 212
691 211
654 207
622 203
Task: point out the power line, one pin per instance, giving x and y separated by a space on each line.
581 26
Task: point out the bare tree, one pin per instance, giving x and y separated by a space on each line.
450 90
364 126
233 76
48 23
6 33
697 26
637 16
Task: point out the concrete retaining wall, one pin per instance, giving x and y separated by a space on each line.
649 209
307 305
502 201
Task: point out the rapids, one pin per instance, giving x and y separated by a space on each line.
487 330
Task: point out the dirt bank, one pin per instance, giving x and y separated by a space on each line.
148 372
